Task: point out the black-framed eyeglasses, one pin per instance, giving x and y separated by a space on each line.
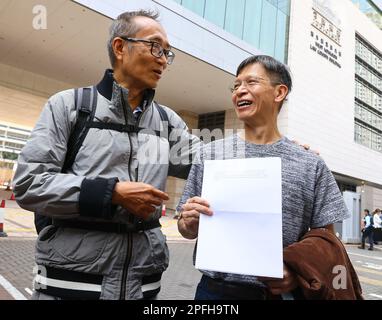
156 49
250 83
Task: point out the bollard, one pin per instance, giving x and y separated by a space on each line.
12 197
163 210
2 214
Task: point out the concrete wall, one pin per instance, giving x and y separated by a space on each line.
371 198
23 95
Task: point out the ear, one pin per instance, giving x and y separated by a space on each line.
281 91
118 48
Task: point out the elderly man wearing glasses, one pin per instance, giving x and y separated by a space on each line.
86 168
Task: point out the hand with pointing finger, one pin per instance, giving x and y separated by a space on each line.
138 198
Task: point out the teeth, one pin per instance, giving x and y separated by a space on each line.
244 103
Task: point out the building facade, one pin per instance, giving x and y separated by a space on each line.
333 48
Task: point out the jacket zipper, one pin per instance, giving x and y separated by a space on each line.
126 266
129 235
129 249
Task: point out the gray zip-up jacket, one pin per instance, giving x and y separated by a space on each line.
79 263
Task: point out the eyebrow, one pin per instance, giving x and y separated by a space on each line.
159 40
251 77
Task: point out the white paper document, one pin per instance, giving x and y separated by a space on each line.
244 235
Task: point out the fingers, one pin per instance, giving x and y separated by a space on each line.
275 286
159 194
190 222
199 200
197 205
155 201
279 286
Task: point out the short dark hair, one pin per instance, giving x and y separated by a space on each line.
367 210
124 25
278 72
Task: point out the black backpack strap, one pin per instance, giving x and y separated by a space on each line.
86 103
164 118
132 128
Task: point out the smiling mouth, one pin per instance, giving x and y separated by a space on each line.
243 104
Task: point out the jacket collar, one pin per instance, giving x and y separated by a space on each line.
107 87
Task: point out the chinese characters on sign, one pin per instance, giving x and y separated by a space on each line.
326 38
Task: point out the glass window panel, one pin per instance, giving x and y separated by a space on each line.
283 5
234 17
252 22
268 28
196 6
215 11
281 36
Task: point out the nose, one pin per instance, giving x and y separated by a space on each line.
242 89
163 61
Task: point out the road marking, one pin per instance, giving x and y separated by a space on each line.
375 295
363 255
7 229
29 291
370 281
17 224
372 266
368 270
11 289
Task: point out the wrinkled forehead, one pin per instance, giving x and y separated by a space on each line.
152 30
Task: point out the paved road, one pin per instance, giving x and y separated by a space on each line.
179 281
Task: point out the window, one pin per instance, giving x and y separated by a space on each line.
368 95
196 6
212 120
261 23
281 36
17 136
215 11
235 17
252 22
268 28
14 146
211 126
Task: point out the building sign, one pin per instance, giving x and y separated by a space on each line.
326 33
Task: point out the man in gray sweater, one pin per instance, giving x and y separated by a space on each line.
310 196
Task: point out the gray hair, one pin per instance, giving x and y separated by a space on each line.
124 26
